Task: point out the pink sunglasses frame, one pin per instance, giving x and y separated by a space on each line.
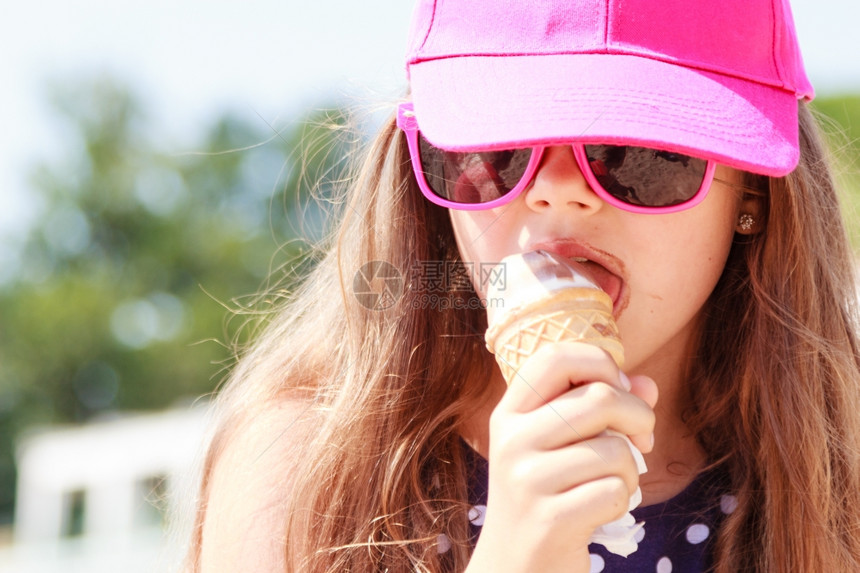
407 122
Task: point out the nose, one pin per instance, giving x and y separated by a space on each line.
560 184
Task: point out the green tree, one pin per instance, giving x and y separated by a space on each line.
123 301
841 118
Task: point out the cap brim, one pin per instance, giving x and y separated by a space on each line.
484 102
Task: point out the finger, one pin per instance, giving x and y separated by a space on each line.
583 413
594 503
553 369
645 388
560 470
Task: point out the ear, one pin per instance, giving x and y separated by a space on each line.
750 216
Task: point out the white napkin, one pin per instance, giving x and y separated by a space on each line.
619 536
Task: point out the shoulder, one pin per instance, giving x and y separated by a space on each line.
249 483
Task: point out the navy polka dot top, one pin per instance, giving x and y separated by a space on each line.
677 535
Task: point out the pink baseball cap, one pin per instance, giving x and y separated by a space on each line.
714 79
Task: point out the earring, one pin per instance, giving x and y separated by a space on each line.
746 222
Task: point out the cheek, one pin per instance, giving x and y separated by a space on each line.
702 252
697 274
683 260
463 232
474 243
670 283
707 234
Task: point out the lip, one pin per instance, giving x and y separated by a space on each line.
606 270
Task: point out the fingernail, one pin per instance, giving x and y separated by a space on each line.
652 441
625 381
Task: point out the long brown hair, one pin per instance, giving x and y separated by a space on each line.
773 392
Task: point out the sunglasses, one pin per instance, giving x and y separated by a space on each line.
636 179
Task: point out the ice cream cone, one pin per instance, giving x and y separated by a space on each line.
547 299
578 314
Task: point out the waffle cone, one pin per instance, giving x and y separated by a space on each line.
571 314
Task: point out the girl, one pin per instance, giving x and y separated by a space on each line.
669 146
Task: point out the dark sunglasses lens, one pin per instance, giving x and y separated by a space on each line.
643 176
472 177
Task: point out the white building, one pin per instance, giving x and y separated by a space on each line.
96 498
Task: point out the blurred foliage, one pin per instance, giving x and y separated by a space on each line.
841 120
123 299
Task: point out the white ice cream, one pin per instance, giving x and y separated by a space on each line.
531 276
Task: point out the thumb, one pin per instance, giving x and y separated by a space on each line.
644 388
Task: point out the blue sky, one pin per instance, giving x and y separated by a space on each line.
190 59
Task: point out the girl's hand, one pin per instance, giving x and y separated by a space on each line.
553 478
